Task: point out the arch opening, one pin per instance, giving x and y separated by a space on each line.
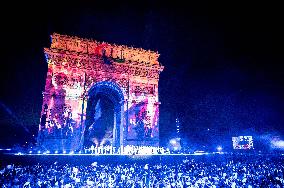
104 115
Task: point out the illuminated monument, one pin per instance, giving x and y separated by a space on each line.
98 93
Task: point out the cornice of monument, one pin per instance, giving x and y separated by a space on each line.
87 47
60 56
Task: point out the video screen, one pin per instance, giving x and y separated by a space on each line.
242 142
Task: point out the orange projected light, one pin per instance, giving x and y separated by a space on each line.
80 72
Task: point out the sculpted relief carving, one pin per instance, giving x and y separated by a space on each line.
75 65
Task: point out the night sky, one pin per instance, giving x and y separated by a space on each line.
223 62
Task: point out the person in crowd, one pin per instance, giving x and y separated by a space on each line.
232 172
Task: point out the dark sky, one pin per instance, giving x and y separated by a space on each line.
223 62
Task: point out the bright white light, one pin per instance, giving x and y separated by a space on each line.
219 148
199 152
38 152
175 148
30 151
56 151
64 151
173 141
278 144
5 149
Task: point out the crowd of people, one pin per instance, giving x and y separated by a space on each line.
232 171
127 150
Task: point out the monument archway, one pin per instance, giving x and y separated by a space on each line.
96 120
80 71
